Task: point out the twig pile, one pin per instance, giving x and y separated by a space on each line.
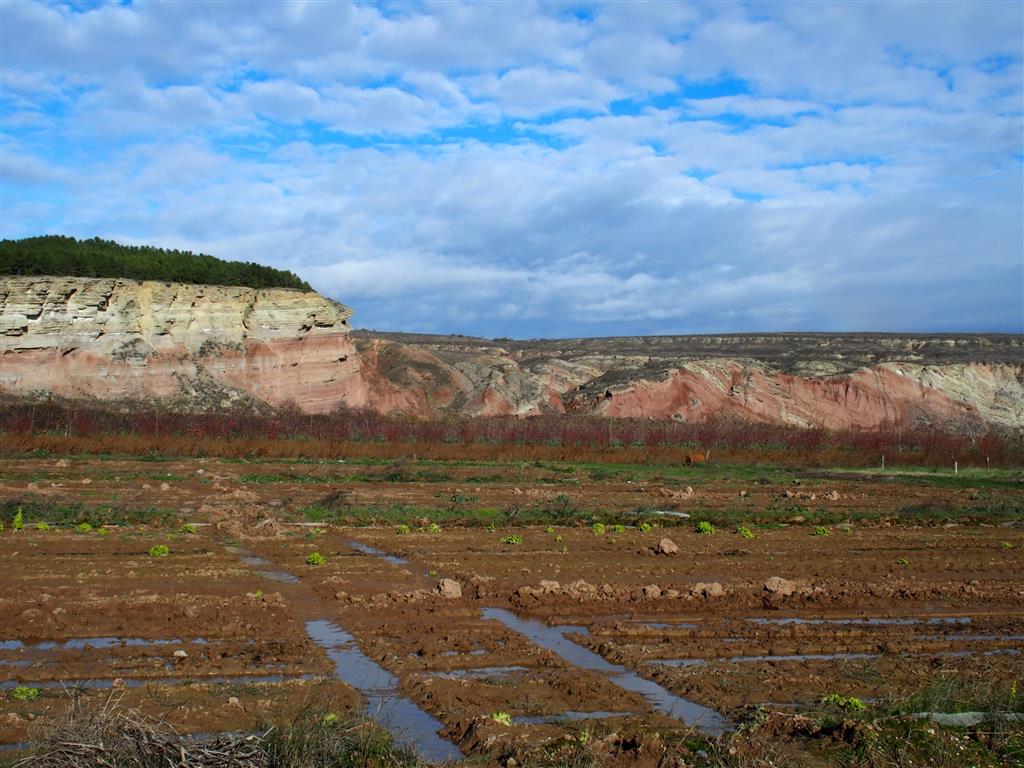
110 736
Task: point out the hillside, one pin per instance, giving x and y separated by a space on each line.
210 346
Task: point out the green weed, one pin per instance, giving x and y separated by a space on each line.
160 550
25 693
315 559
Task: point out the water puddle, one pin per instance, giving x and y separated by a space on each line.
480 672
406 721
669 625
282 576
83 643
554 639
136 682
570 716
873 622
747 659
827 657
366 549
399 715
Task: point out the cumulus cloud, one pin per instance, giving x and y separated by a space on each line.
534 169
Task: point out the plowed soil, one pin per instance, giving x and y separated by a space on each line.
213 636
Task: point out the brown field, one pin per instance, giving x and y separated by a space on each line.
913 580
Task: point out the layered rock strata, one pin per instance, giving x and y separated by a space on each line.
212 346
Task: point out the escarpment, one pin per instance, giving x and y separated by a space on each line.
199 346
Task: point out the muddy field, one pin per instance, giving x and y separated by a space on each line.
478 611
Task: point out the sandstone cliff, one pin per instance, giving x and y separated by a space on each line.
210 346
203 345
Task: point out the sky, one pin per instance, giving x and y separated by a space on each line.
517 169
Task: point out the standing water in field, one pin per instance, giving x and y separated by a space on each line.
399 715
553 638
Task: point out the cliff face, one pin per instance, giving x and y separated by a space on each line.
211 346
202 345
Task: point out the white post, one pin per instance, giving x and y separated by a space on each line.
883 461
956 467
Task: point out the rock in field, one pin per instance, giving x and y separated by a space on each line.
779 586
450 589
667 547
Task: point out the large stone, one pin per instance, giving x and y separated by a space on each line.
651 592
712 589
449 588
667 547
776 585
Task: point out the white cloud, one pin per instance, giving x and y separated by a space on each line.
416 161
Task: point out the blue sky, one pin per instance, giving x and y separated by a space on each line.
548 169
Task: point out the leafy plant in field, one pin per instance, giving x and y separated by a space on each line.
403 529
434 528
19 520
903 561
820 530
160 550
42 527
598 529
24 693
645 527
315 558
845 703
551 529
705 528
83 527
503 718
329 719
513 540
432 574
187 528
744 532
1003 544
618 529
103 531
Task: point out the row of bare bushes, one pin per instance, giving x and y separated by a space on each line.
75 428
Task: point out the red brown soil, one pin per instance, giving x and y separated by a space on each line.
61 585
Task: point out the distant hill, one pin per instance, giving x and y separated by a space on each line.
57 255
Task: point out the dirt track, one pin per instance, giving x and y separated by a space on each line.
887 607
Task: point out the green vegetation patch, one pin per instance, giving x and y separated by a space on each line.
59 256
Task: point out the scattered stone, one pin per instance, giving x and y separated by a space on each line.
797 519
549 587
833 496
234 702
340 595
61 463
744 494
86 481
714 589
450 589
667 547
181 654
118 682
779 586
651 592
165 486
